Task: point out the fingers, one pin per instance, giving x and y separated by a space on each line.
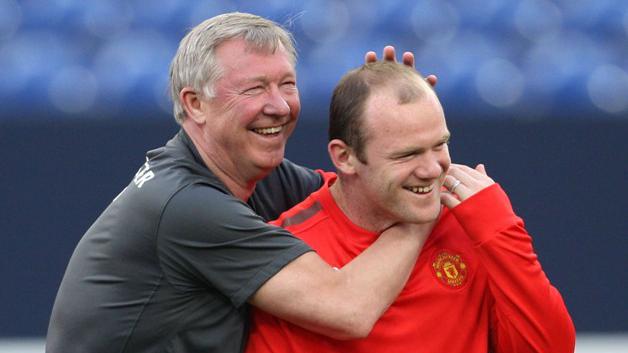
457 187
459 172
451 183
480 168
408 59
450 197
370 57
449 200
468 174
431 79
463 182
389 53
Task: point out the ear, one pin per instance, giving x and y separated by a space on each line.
191 102
342 156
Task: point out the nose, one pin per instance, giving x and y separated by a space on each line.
277 105
431 166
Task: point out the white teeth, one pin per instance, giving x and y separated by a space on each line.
420 189
269 130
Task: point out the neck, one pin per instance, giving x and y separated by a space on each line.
224 168
353 205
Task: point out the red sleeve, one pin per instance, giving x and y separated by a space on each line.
528 314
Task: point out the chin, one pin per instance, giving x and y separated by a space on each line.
271 162
427 217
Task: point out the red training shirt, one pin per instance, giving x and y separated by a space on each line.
477 285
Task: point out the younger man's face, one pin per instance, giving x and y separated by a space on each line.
407 158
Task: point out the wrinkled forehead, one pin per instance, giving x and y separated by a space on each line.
268 47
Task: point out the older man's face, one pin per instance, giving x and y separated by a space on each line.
254 110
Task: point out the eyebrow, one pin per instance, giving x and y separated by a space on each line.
249 80
266 77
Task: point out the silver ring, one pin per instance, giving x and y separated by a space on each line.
456 184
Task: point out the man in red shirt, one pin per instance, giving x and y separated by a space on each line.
477 285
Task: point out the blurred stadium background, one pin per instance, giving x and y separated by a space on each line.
531 59
536 89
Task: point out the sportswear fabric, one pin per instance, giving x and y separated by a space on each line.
477 285
171 262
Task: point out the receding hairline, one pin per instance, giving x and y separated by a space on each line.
356 90
390 92
402 89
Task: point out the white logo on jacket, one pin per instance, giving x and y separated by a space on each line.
143 175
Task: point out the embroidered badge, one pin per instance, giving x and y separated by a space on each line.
450 269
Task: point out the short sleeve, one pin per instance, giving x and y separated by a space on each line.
209 239
285 187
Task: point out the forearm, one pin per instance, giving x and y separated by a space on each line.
343 303
373 280
529 315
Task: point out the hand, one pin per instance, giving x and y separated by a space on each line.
407 58
463 182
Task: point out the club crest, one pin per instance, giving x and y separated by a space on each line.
450 269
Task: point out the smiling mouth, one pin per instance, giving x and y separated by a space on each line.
269 131
420 189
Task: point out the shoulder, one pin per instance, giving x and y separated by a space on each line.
205 204
289 173
285 187
309 209
299 213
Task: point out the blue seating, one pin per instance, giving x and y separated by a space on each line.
495 59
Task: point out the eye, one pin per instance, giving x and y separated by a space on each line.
289 85
254 90
405 156
442 145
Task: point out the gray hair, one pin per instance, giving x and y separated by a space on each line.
195 64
